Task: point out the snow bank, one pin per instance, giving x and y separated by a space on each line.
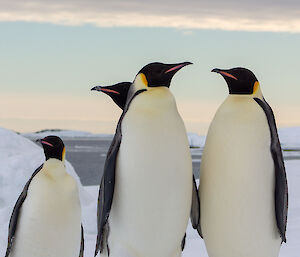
195 140
19 157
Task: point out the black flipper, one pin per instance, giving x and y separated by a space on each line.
281 186
107 185
82 243
195 210
183 242
13 223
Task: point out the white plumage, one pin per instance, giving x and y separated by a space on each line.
237 182
153 190
49 224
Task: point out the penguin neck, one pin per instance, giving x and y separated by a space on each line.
236 97
156 99
258 94
54 167
137 84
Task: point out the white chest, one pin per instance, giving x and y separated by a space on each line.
237 182
50 220
153 180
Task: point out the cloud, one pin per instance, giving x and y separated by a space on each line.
250 15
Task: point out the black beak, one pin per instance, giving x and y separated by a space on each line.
97 88
224 73
105 90
216 70
176 67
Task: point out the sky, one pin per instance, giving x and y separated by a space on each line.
52 54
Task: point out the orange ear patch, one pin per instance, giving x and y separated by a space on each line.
255 87
144 80
63 154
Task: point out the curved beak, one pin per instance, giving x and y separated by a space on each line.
105 90
177 66
96 88
224 73
43 142
216 70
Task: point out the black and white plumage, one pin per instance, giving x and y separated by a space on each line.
39 211
243 185
108 182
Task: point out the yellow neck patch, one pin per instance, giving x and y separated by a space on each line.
63 154
144 80
255 87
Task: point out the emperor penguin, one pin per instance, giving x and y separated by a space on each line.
46 219
243 185
148 190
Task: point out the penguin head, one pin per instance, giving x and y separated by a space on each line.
53 147
117 92
158 74
240 81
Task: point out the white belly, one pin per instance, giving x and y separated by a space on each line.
237 182
152 198
50 220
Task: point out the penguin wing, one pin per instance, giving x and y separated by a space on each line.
281 186
82 243
195 210
106 190
107 184
16 211
183 242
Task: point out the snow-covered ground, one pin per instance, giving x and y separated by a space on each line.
19 157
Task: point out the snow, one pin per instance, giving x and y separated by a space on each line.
195 140
19 157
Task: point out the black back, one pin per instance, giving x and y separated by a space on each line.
107 185
281 186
